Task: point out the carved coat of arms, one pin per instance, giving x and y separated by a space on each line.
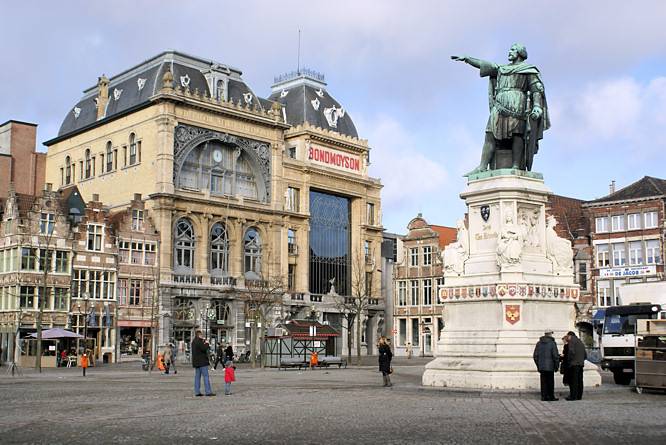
485 213
512 313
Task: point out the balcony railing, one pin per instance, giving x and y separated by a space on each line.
222 281
297 297
315 298
187 279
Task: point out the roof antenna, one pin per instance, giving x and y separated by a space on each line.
298 66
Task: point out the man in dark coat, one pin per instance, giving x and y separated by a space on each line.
576 358
200 364
547 359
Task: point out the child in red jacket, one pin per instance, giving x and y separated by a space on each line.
229 376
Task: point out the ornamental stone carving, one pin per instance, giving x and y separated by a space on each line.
558 250
455 254
188 137
510 244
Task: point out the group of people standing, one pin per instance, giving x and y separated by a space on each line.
570 364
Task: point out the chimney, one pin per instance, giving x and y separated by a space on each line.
612 187
102 96
137 196
95 197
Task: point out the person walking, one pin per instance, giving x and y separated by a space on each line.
229 376
229 354
564 361
576 356
169 361
385 356
200 363
547 359
219 356
409 349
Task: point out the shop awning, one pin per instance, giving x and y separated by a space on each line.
56 333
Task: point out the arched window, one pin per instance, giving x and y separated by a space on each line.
252 249
68 170
219 250
184 310
221 312
184 246
133 149
109 156
88 164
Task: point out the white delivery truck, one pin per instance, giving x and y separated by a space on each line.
640 301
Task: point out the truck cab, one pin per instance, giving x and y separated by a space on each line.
619 339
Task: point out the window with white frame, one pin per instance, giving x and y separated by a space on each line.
122 291
88 164
291 242
62 261
219 250
601 224
617 223
184 246
137 220
635 253
95 232
252 252
415 293
633 221
46 223
603 294
109 157
28 258
650 219
414 256
427 292
603 258
619 257
134 293
427 255
653 251
27 297
134 150
402 293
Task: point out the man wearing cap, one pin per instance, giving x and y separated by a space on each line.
576 359
547 359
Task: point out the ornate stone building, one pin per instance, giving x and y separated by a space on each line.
417 310
238 187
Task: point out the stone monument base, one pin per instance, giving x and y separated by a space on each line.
508 278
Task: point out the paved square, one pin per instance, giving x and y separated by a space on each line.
122 404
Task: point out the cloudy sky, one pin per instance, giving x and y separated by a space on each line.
387 62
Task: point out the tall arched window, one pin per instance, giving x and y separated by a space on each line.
221 312
252 249
88 164
109 156
183 246
132 149
219 250
68 170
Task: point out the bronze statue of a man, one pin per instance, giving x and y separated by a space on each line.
518 109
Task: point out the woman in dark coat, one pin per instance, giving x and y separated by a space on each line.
564 365
385 356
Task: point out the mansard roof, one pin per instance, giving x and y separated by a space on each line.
134 87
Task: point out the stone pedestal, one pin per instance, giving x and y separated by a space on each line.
507 278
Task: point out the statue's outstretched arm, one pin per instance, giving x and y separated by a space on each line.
476 63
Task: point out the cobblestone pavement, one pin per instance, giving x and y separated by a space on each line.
122 404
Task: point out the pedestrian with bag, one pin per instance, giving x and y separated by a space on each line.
547 360
200 363
576 359
385 356
229 376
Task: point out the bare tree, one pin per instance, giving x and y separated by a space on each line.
46 229
262 296
354 306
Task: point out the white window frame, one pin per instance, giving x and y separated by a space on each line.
635 253
292 197
633 221
402 293
653 251
46 223
650 219
95 237
619 254
427 255
414 256
427 292
137 220
414 293
617 223
601 224
603 255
